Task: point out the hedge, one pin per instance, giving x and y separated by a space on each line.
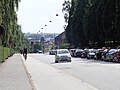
5 53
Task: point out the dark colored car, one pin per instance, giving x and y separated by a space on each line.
78 53
98 54
72 52
40 51
84 54
52 52
104 54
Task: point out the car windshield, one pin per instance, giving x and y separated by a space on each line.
79 50
92 51
113 50
62 52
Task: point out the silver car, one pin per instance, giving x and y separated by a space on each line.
62 55
91 54
110 55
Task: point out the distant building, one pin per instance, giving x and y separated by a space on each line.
60 39
49 44
46 40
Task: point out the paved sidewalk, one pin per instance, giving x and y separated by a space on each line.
13 75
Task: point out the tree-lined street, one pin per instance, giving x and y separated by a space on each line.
90 29
99 74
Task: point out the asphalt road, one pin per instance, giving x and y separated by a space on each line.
99 74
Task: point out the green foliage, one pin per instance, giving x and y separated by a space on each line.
94 23
37 47
5 53
13 36
64 46
66 10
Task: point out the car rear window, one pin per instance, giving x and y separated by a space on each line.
63 51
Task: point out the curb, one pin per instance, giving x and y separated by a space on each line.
28 75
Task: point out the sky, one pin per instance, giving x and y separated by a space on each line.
33 15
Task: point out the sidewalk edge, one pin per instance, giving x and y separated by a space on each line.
28 75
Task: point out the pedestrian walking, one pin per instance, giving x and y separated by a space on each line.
25 53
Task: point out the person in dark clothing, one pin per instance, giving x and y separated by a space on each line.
25 52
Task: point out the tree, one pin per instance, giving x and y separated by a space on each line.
94 23
8 18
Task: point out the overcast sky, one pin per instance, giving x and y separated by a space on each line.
35 14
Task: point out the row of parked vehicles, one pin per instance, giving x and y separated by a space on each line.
97 54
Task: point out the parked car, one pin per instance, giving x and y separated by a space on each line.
84 53
62 55
104 54
110 55
91 54
78 53
52 52
72 52
98 54
117 56
40 51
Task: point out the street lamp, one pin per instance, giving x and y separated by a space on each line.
49 21
56 14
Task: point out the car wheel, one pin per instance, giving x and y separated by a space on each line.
95 58
88 57
69 60
56 61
